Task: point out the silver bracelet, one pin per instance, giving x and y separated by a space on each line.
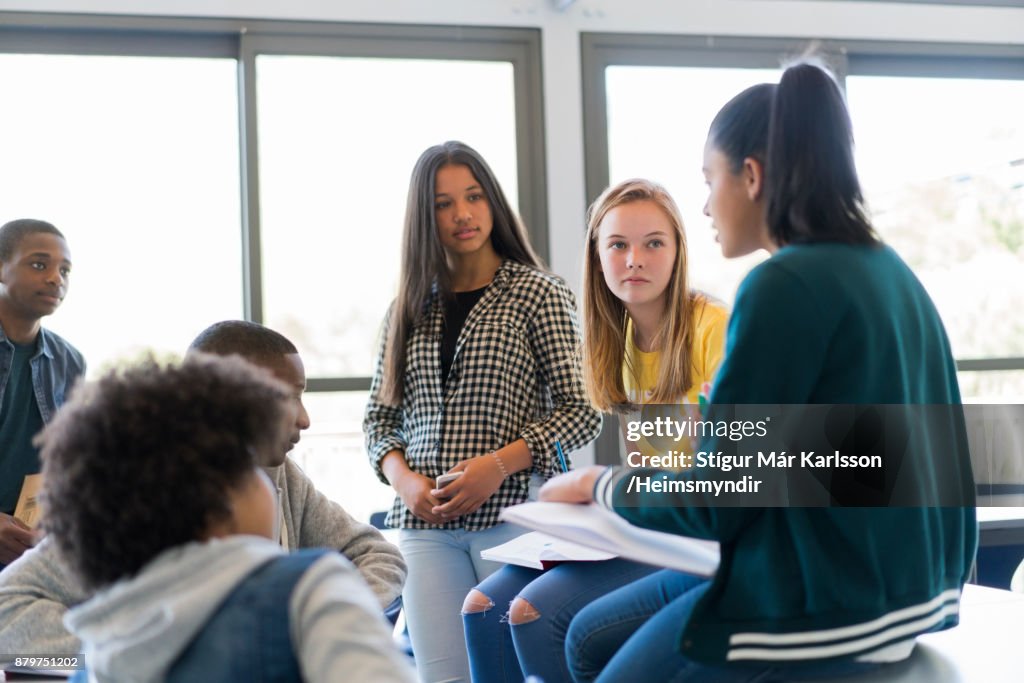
501 466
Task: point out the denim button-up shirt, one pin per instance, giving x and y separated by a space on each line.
56 366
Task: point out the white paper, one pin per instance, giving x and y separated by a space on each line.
595 527
534 548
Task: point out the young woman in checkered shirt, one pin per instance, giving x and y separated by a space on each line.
648 339
478 373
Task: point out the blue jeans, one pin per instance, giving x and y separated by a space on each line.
502 653
444 564
633 634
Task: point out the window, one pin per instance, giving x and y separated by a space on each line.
338 141
953 206
135 159
658 120
331 452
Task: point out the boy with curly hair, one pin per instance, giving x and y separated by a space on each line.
154 497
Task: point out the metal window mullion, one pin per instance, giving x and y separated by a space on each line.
989 364
337 384
531 152
252 254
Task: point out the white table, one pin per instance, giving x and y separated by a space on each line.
1001 526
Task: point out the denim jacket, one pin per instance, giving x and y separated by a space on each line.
56 366
249 637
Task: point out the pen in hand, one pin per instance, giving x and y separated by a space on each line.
561 455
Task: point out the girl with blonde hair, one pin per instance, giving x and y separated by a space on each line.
648 339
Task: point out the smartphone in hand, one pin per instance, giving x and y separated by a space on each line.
446 479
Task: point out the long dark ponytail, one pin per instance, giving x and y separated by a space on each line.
800 131
812 190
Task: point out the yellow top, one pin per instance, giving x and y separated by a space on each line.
708 350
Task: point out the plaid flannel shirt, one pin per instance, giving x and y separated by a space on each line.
515 374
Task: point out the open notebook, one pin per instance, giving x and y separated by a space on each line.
595 527
541 551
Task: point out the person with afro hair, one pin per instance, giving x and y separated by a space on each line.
153 495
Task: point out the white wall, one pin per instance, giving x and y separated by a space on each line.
561 57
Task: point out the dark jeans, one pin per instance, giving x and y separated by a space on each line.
502 653
632 634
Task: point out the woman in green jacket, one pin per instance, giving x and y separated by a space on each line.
833 317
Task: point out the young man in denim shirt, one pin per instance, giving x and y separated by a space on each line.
37 367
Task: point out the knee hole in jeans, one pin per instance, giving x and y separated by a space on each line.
476 602
522 612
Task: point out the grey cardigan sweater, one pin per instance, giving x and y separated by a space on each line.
37 589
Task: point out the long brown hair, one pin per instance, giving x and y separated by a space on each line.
423 258
605 317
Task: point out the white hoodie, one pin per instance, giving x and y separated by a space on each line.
136 629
